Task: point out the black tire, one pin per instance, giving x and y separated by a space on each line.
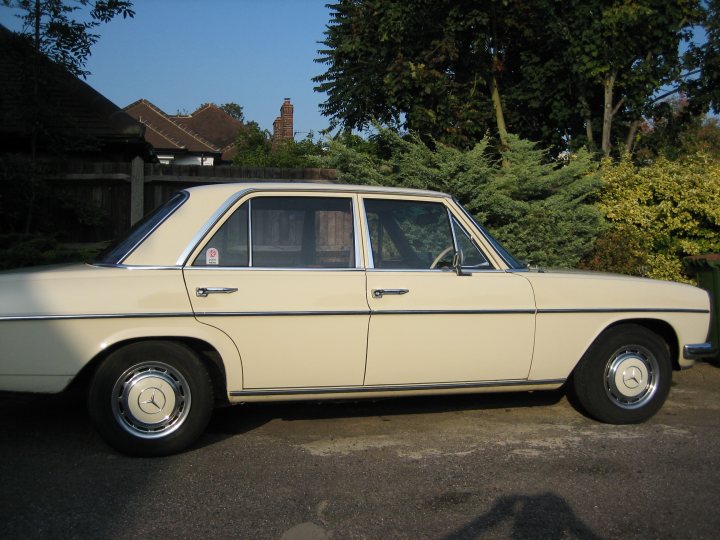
151 398
625 376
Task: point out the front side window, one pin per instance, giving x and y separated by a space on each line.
409 235
285 232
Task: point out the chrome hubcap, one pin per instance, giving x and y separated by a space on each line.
151 400
631 376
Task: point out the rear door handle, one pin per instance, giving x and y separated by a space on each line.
379 293
202 292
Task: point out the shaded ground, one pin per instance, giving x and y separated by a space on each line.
503 466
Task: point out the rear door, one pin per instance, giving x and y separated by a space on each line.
281 277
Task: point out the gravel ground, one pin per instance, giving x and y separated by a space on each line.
487 466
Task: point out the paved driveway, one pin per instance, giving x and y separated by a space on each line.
502 466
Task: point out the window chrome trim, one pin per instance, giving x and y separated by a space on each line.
134 266
391 388
217 216
250 235
456 246
270 269
368 239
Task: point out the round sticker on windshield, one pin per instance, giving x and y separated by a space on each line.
212 256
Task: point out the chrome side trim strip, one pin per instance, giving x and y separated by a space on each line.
93 316
338 313
454 312
390 388
622 310
277 313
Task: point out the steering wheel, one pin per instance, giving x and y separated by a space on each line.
442 255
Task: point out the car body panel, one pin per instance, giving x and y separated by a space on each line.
449 328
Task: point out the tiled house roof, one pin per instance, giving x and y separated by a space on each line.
214 124
207 130
165 133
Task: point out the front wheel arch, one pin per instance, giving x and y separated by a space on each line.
625 375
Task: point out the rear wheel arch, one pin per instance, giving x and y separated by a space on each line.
207 353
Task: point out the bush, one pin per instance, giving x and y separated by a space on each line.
658 213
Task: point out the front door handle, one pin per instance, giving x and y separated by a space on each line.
202 292
379 293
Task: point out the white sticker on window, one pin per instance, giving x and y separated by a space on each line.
212 256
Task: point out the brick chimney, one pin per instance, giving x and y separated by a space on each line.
283 124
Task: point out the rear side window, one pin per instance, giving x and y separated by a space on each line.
285 232
122 248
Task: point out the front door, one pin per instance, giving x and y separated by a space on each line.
428 324
281 277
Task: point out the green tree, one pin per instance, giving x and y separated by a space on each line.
255 149
234 110
566 74
62 30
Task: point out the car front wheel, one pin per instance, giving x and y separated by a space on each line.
625 376
151 398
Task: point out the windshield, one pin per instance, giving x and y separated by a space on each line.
511 261
119 250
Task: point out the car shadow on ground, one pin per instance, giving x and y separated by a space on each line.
242 418
34 420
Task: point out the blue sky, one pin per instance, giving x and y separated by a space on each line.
179 54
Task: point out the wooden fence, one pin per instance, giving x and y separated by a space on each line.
119 194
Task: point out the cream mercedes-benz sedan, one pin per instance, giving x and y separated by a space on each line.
259 292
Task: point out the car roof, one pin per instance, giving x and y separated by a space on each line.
234 187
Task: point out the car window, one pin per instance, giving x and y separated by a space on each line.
410 235
229 245
285 232
472 256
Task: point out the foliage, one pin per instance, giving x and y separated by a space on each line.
255 149
21 250
675 131
565 73
234 110
542 210
658 213
62 30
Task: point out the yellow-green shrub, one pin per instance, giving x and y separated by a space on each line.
658 213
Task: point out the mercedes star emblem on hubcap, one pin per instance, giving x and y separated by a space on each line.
632 377
151 400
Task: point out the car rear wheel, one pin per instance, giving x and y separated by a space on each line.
151 398
625 376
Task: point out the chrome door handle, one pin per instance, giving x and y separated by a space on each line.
379 293
202 292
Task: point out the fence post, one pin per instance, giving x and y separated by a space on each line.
137 190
